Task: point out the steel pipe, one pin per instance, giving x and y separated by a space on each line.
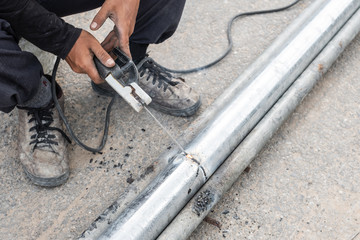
114 210
158 204
222 180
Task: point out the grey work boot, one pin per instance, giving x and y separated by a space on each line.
42 144
169 95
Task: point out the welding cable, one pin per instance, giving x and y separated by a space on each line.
66 123
229 38
108 110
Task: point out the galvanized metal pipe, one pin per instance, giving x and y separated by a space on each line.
148 215
222 180
113 212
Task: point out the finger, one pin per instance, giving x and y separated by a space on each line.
94 74
99 19
108 38
103 56
124 45
109 46
109 42
113 55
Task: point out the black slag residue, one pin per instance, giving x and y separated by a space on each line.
203 201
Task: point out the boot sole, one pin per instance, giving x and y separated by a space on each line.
187 112
47 182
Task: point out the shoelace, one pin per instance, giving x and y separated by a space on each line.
156 73
43 119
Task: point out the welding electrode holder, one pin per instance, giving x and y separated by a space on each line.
123 78
124 69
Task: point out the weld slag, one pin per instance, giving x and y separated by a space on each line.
202 202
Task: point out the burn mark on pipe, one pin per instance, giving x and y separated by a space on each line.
148 170
203 202
321 68
190 157
203 170
105 216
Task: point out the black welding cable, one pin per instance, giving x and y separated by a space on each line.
66 123
108 110
229 38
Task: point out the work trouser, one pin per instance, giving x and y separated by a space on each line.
20 72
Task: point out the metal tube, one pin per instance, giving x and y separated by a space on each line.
222 180
110 214
153 209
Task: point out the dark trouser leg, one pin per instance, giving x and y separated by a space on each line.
20 72
68 7
156 21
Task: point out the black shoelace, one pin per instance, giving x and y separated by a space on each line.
42 138
156 73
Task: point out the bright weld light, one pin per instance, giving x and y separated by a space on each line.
189 156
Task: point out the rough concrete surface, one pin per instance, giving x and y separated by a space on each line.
303 185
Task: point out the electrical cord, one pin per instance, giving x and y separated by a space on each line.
108 110
66 123
229 38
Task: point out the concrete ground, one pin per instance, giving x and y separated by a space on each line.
303 185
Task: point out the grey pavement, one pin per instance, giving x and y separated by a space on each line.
303 185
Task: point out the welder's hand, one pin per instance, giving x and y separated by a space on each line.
111 41
123 14
80 57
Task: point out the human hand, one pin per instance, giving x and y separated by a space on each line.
110 42
123 14
80 57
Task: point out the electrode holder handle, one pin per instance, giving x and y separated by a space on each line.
123 78
124 71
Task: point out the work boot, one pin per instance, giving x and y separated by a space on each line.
42 144
169 94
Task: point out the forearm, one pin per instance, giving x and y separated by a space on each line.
39 26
